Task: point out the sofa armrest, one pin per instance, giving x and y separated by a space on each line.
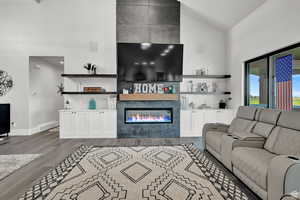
289 197
245 136
283 176
213 127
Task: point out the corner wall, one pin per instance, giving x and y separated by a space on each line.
272 26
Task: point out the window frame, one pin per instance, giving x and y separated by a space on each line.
271 76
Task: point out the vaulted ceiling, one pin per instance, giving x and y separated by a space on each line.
223 13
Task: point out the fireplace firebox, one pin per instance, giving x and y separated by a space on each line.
148 115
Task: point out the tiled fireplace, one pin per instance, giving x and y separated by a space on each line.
148 119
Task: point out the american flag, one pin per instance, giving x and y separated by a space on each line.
284 76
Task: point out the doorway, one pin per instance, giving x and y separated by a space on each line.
45 99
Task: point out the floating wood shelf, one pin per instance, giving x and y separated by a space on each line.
148 97
208 93
90 75
89 93
207 76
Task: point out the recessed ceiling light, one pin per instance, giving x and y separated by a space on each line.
163 54
61 62
171 47
145 45
167 51
144 63
152 63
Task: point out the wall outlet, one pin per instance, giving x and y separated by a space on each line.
13 124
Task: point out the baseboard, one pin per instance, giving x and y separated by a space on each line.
43 127
19 132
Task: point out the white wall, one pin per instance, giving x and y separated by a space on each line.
18 96
272 26
44 101
204 47
53 28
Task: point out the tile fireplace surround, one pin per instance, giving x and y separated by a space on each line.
168 127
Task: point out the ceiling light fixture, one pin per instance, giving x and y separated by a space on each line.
145 46
61 62
171 46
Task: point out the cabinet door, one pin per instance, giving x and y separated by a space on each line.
81 124
224 116
96 124
197 122
210 116
66 124
110 124
186 123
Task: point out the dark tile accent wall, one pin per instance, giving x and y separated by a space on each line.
154 21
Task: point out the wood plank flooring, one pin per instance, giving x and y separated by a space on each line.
53 151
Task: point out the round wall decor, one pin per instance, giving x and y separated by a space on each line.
6 83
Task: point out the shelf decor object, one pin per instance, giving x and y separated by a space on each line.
148 97
6 83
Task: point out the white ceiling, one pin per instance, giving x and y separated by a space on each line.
223 13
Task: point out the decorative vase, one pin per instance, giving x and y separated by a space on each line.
92 104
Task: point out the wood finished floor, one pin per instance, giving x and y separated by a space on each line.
53 151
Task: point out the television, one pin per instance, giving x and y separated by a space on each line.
4 118
146 62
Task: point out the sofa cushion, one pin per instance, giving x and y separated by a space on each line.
263 129
284 141
269 116
289 120
246 112
241 125
266 122
214 140
253 163
285 137
257 114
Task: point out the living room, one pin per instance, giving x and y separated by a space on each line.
144 96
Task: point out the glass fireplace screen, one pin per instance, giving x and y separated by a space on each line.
148 115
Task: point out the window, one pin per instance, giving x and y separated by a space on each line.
257 83
273 80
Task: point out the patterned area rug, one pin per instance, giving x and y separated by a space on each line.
10 163
136 173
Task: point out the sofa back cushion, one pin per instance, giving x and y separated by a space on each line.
246 112
285 137
266 122
241 125
244 120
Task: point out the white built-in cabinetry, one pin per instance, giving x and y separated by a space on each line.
192 121
88 123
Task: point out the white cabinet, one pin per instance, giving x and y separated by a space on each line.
67 124
185 125
224 116
192 121
81 124
103 124
88 124
197 122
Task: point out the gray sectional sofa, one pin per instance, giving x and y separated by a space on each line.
261 147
